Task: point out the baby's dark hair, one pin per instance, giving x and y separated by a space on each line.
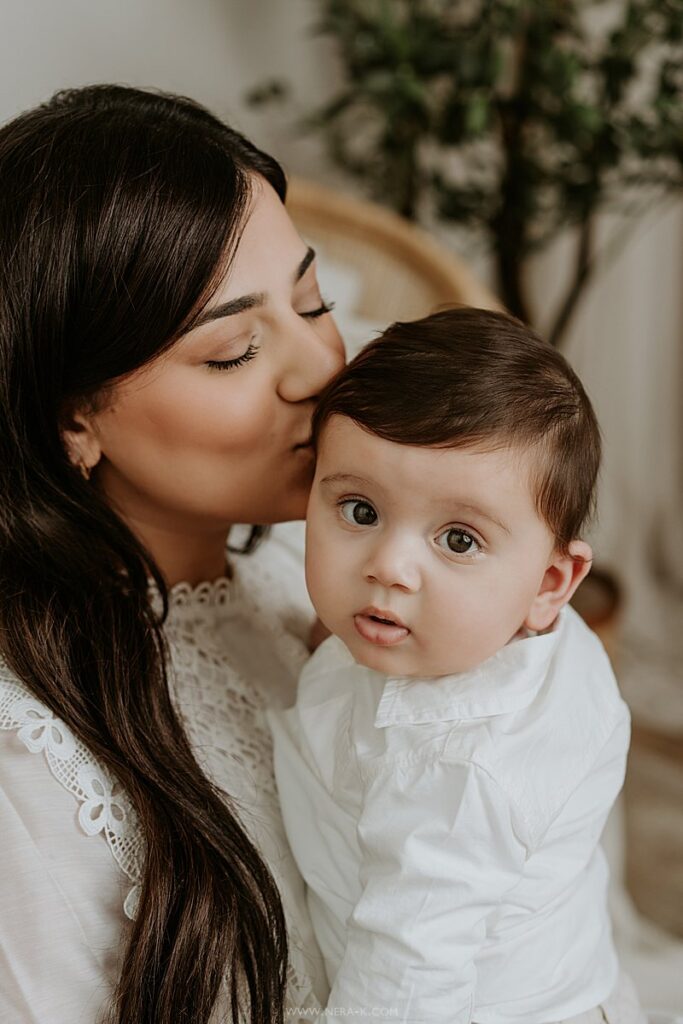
469 377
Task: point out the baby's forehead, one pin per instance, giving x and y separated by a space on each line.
342 435
490 472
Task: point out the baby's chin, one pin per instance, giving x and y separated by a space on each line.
393 661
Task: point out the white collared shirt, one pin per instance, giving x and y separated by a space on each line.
448 829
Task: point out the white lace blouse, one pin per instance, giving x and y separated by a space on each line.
70 847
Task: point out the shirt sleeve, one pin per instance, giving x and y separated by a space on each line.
439 848
61 900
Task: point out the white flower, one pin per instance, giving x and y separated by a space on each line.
40 730
105 804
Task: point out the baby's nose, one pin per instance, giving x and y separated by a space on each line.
393 565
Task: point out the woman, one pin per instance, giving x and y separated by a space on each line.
163 340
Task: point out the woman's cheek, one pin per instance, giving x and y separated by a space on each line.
236 420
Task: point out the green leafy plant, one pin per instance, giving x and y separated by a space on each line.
515 118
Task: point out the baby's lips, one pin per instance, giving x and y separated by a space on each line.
372 612
383 634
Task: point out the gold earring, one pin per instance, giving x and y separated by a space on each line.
84 470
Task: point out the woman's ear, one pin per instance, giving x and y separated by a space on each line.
559 582
81 442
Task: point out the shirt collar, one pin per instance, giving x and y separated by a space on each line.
504 683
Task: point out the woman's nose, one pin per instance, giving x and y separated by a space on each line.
314 355
393 564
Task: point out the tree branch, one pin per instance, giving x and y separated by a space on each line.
583 269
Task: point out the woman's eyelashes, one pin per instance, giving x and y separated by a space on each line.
456 540
357 512
229 364
313 314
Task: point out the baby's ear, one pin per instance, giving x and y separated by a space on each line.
559 582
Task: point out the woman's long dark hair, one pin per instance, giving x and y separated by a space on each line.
119 210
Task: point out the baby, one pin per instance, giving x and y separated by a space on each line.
459 740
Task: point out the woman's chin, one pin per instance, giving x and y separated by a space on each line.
295 501
288 500
293 509
291 506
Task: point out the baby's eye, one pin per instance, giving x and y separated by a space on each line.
358 512
459 541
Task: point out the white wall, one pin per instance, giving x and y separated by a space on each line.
212 50
627 345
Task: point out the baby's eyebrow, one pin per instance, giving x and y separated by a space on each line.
474 510
344 478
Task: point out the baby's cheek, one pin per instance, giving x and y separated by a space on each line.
455 631
335 581
319 578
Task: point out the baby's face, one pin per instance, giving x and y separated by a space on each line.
424 561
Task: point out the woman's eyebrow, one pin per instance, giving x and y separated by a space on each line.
245 302
227 309
305 264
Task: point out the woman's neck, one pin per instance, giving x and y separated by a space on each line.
187 549
185 556
184 565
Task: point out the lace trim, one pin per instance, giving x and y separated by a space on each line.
104 806
251 588
214 593
184 598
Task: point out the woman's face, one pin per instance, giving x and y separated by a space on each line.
210 433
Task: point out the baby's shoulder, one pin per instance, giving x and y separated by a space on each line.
575 726
324 704
329 671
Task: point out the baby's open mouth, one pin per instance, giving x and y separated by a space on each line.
378 626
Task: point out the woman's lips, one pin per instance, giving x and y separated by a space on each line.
380 627
304 449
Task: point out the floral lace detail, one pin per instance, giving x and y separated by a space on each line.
255 589
212 594
104 807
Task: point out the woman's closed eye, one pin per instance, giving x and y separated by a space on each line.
456 540
313 314
252 348
230 364
357 512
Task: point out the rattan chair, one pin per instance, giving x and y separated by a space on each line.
404 273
